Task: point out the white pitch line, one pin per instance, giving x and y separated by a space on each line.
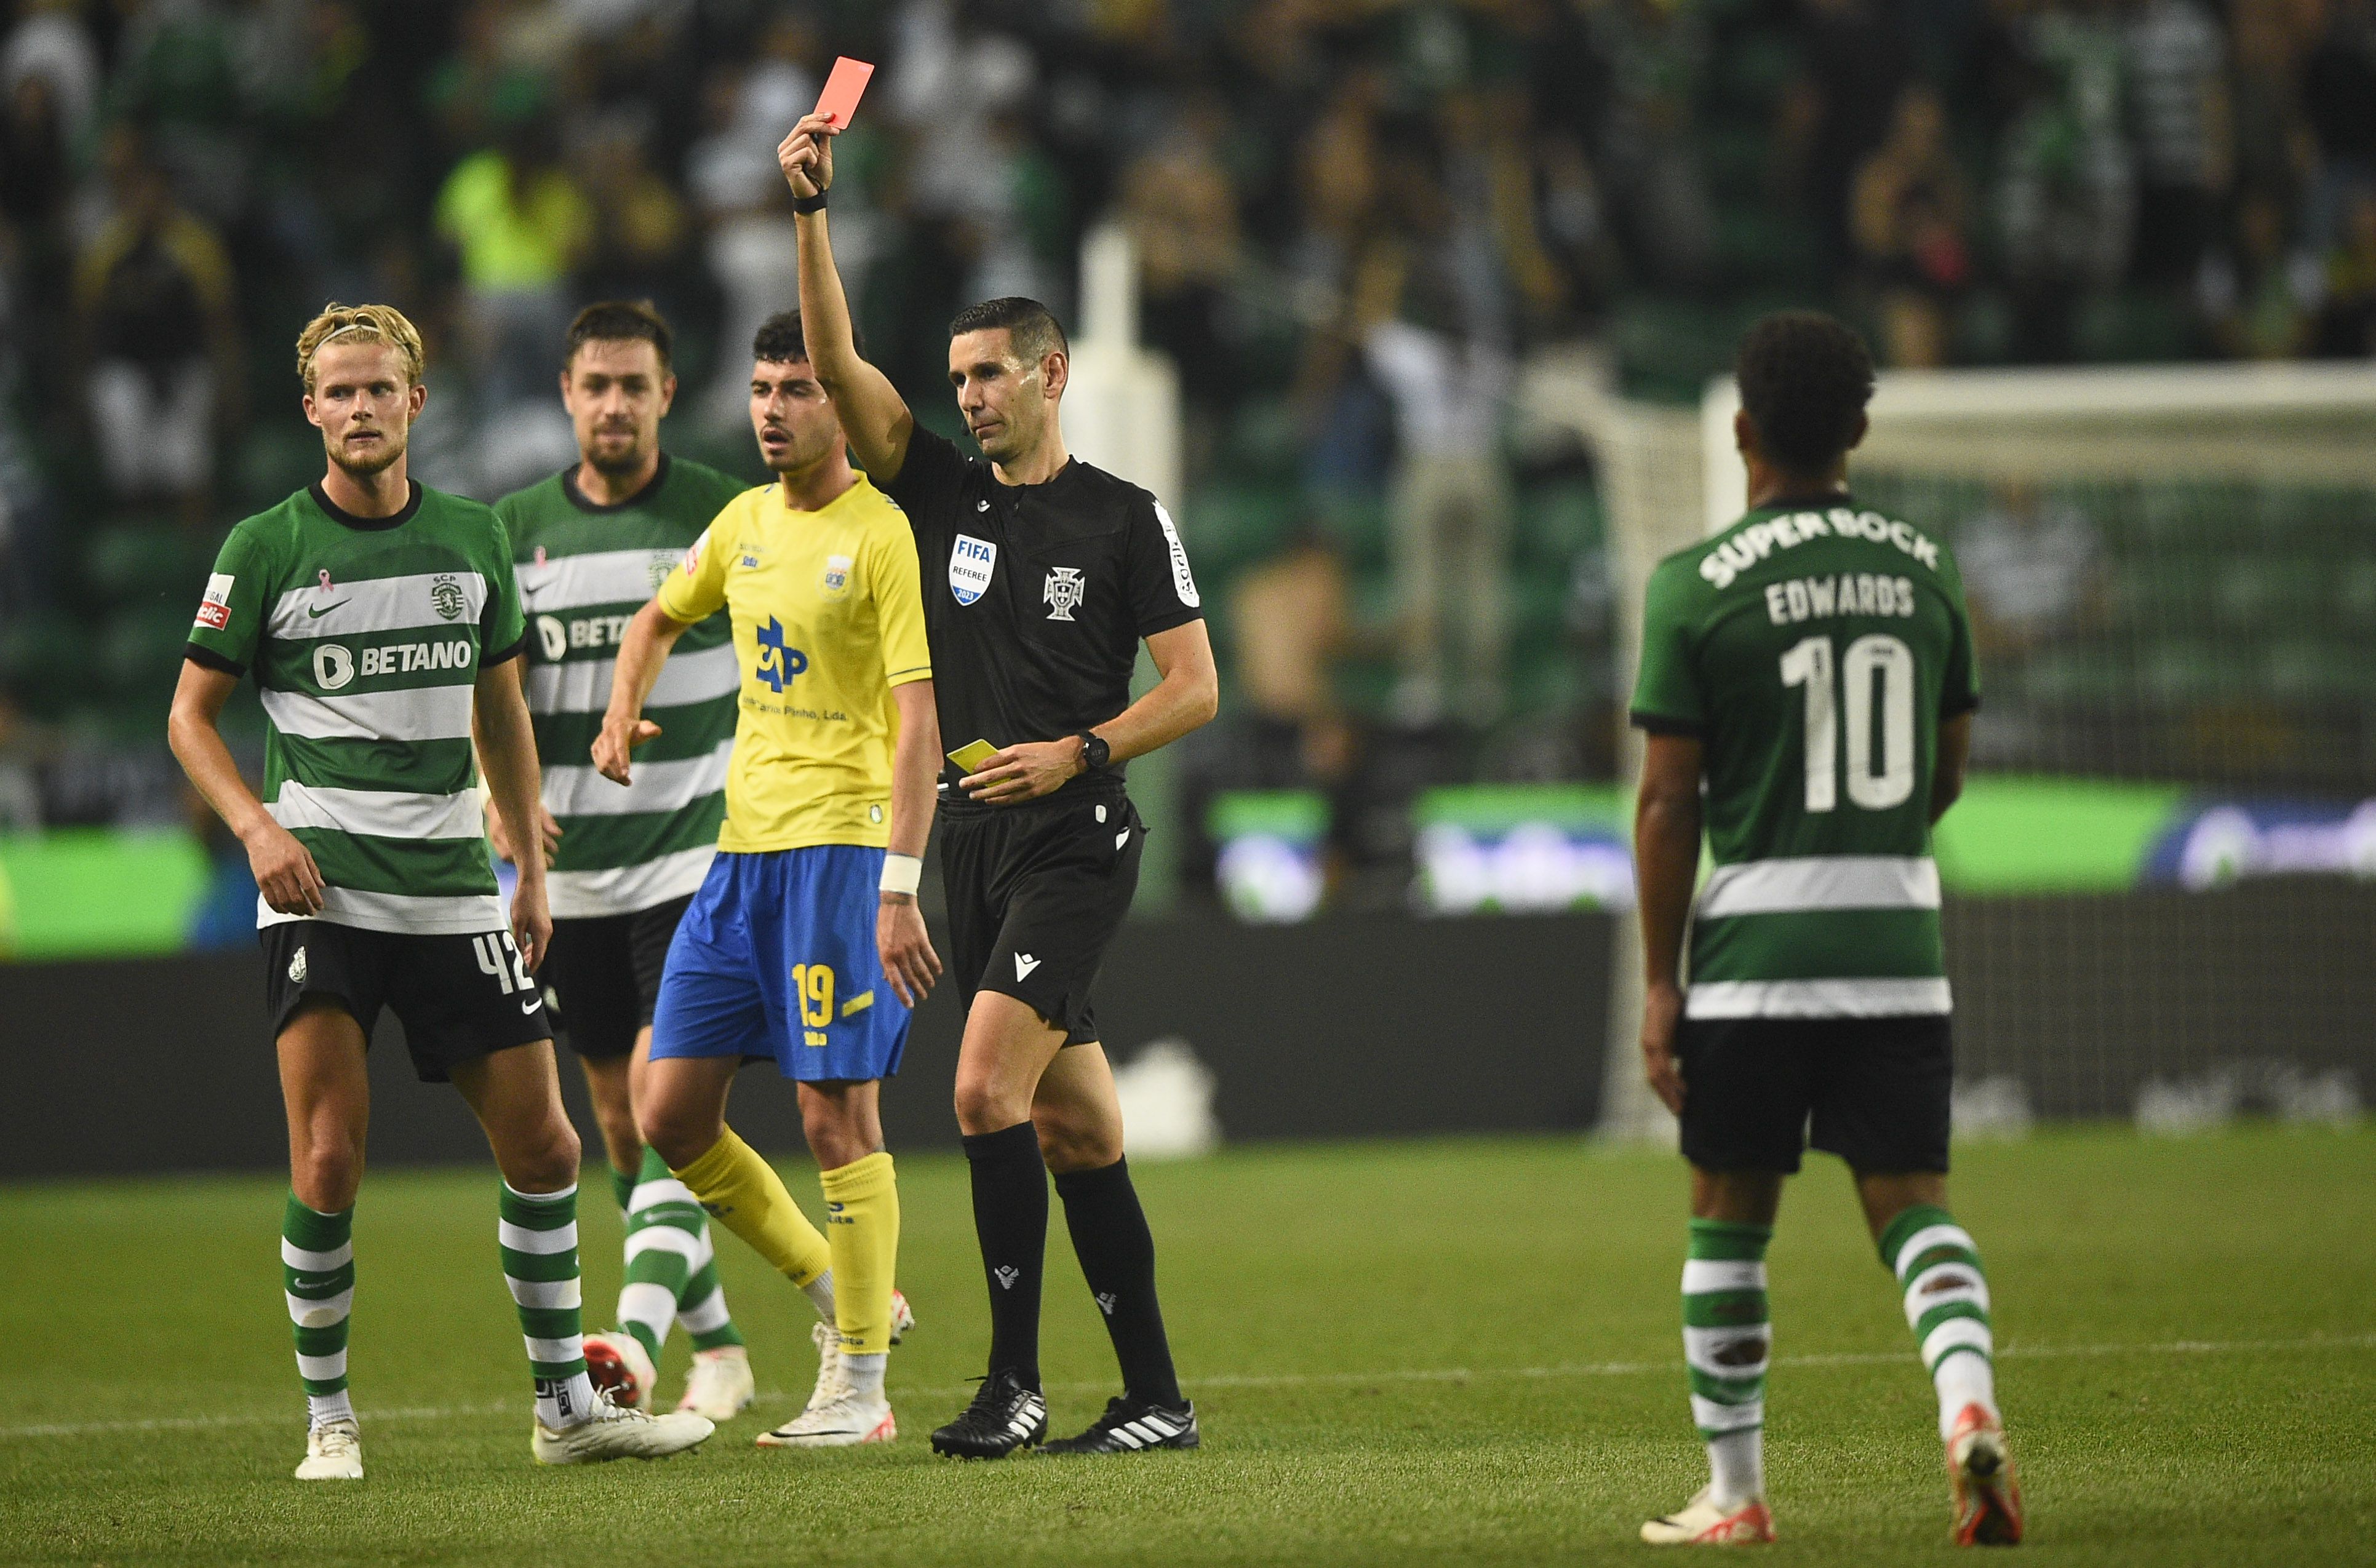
1282 1379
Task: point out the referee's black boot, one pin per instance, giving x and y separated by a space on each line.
1133 1426
1004 1416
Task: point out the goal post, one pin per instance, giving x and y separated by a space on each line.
2161 885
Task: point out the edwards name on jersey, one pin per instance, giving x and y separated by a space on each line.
366 636
585 569
1813 648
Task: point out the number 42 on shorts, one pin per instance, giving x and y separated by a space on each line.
499 957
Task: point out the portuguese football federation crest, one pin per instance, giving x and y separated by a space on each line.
445 596
1063 592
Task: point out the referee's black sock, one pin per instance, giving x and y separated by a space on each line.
1010 1219
1117 1254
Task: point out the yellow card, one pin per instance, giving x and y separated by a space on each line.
972 758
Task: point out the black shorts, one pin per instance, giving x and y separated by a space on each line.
602 976
458 997
1874 1091
1036 893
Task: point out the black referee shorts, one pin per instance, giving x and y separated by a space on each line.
1873 1092
1036 893
603 974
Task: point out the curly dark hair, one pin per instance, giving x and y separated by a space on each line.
1805 378
620 321
779 339
1031 327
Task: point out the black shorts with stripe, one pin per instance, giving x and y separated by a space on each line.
458 997
1036 893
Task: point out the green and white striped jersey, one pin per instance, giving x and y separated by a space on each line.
585 569
366 636
1813 647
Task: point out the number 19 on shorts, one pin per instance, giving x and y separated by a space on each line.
1877 661
812 983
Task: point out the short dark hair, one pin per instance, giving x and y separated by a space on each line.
779 339
1805 378
620 321
1030 326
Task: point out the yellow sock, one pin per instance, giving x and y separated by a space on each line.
742 1193
862 1203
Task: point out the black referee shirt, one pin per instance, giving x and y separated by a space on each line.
1035 595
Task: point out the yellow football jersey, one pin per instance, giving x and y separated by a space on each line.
826 620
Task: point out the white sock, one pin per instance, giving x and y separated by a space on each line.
562 1405
865 1374
1736 1466
1963 1378
820 1292
321 1409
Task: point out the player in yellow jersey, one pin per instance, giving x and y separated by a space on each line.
805 944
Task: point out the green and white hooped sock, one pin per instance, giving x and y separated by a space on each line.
1728 1341
1946 1305
538 1236
672 1266
623 1186
318 1275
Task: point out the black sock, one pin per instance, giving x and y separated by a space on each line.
1117 1254
1010 1219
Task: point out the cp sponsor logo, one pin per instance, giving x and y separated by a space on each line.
777 663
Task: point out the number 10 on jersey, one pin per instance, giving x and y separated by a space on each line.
1878 662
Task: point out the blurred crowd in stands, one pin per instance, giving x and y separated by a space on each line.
1356 219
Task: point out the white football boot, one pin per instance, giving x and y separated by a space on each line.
1701 1523
838 1415
334 1452
617 1364
619 1431
902 1317
718 1384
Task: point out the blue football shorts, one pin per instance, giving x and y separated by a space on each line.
776 959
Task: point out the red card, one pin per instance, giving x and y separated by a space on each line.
842 90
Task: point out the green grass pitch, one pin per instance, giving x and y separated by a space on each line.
1438 1352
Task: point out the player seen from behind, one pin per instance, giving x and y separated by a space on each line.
805 944
379 619
590 545
1043 574
1807 687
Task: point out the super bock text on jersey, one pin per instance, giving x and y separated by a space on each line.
1036 599
365 637
1813 648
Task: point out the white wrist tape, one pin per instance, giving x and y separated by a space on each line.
903 873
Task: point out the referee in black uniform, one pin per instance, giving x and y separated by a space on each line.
1040 577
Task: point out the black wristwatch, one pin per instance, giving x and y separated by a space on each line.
1095 753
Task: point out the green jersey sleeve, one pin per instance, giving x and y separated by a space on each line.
503 626
1667 694
230 625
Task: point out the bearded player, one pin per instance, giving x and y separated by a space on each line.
590 544
1807 687
805 945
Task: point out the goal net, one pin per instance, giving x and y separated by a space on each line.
2161 882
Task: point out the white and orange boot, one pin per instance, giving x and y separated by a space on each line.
1988 1497
1700 1522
